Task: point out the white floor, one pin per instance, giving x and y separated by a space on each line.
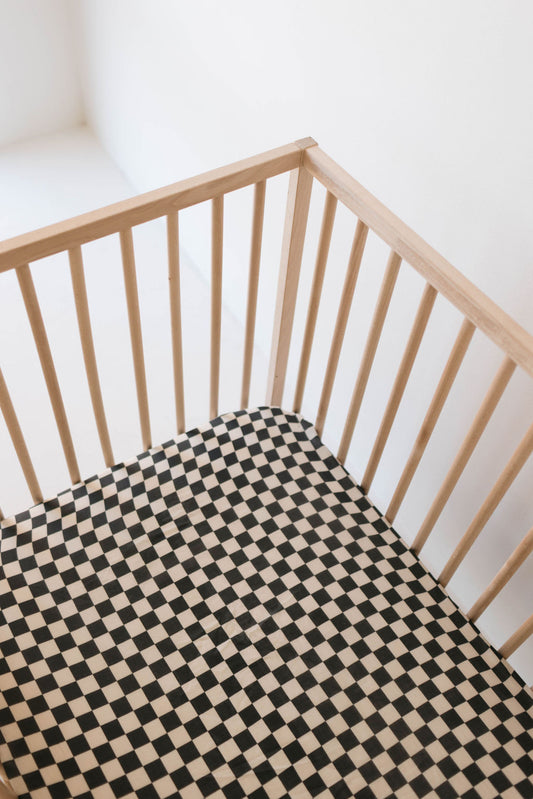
49 179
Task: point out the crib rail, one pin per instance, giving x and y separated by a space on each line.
439 273
305 162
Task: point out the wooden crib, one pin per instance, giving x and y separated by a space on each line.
291 766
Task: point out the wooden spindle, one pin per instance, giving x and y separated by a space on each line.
6 789
440 396
35 317
350 281
253 282
12 424
512 564
507 334
517 638
299 196
500 488
374 335
175 317
217 217
134 316
413 344
330 206
87 344
475 432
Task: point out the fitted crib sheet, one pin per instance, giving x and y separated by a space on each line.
228 616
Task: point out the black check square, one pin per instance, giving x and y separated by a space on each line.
228 616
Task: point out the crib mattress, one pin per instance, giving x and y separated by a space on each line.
228 616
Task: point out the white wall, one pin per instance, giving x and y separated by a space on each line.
430 106
52 178
39 86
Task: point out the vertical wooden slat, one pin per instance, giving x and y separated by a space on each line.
12 424
87 344
216 299
352 272
299 196
512 564
376 328
517 638
47 364
132 300
424 310
6 789
500 488
430 420
475 432
330 206
175 317
253 282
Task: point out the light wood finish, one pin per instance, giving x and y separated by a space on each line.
500 488
253 282
440 396
173 247
374 335
217 219
330 206
299 196
467 298
517 638
421 319
6 789
512 564
87 344
12 424
33 310
468 446
134 316
151 205
350 281
304 161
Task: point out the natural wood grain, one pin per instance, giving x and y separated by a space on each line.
517 638
253 282
175 317
134 316
500 488
151 205
33 310
217 220
511 565
374 335
300 183
13 426
419 326
350 281
440 396
326 230
87 344
470 442
467 298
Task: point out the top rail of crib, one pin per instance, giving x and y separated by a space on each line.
125 214
479 309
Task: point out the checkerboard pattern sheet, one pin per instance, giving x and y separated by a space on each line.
228 616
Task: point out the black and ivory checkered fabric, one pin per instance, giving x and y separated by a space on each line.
228 616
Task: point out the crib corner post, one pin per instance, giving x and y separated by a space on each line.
291 259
